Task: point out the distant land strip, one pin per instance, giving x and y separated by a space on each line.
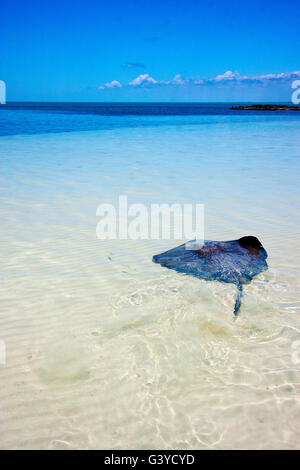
267 107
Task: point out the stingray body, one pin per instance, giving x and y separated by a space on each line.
235 261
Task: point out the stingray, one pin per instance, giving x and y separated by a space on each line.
236 261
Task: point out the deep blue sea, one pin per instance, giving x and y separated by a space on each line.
105 349
38 118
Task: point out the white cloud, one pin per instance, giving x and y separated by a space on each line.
113 84
177 80
227 77
143 79
274 76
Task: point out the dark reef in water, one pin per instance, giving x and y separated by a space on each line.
267 107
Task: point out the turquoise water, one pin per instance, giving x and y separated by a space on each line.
105 349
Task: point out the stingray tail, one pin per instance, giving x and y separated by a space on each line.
238 299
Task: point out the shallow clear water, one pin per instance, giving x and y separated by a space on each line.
105 349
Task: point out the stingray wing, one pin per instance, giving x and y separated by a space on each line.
222 261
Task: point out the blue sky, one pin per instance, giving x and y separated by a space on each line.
149 50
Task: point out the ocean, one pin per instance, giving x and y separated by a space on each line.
99 347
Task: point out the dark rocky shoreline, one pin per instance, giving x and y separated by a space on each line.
267 107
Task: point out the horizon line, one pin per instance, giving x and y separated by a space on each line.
146 102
